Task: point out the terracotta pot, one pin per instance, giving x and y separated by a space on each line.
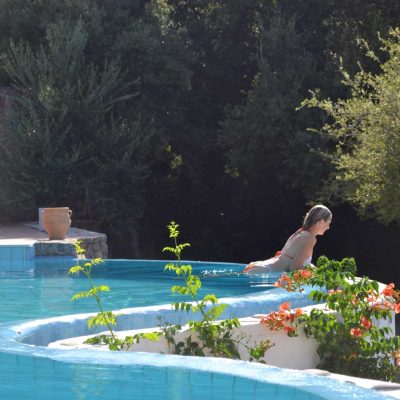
56 222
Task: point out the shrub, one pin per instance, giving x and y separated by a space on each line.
350 340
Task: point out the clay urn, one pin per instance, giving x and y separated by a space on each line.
56 222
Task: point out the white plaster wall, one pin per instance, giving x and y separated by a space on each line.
287 352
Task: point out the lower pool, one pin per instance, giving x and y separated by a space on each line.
156 377
42 290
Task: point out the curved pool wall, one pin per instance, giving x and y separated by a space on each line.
43 331
37 372
68 375
28 370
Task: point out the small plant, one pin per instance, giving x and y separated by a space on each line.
349 340
215 336
102 318
115 343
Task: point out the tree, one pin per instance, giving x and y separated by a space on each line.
99 89
266 142
65 142
366 130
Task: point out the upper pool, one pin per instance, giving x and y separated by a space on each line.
43 288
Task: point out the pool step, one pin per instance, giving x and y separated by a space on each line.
16 257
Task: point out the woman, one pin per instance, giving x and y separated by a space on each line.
297 252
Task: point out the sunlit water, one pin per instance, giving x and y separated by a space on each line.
45 289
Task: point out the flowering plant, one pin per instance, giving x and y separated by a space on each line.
283 319
350 339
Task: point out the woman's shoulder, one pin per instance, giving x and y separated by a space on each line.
307 237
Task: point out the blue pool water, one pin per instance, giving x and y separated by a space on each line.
41 289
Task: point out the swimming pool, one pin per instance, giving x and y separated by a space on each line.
29 371
43 288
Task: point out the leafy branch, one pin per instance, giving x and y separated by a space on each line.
216 336
350 340
103 318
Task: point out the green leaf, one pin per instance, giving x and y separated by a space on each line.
75 270
81 295
102 319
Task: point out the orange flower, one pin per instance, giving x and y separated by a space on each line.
356 332
305 273
332 291
284 306
290 317
386 304
285 282
274 320
396 308
302 274
289 329
366 323
397 359
389 289
354 300
299 312
277 320
296 277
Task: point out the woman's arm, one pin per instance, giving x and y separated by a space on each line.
252 265
305 250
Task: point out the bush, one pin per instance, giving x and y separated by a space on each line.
350 340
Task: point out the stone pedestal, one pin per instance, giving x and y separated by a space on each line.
95 245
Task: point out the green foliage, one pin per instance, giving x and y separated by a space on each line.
258 351
169 331
350 341
209 334
265 137
122 344
365 128
114 103
61 106
103 318
95 87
